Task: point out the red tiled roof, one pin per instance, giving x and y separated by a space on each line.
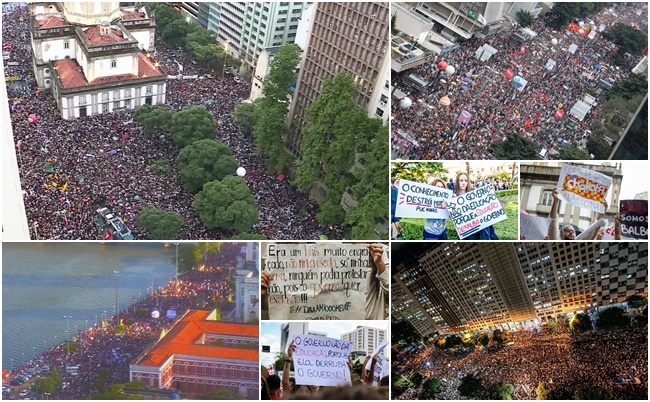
133 15
113 78
70 73
183 337
146 68
114 36
51 22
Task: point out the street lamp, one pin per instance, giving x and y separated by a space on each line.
117 308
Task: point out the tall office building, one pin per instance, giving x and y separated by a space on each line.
464 287
364 338
247 28
348 36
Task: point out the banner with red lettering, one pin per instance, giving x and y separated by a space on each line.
476 210
583 187
634 218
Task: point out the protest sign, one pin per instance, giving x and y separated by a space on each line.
476 210
464 117
323 281
573 48
634 218
583 187
590 232
379 349
419 200
381 369
550 64
533 227
610 233
322 361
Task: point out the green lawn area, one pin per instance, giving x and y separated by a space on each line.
412 228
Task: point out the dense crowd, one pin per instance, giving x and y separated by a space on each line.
107 347
497 107
561 360
70 168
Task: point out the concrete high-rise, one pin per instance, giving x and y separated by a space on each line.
459 287
364 338
344 36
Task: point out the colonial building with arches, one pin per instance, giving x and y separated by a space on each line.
200 355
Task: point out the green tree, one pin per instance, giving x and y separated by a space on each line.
417 171
210 55
152 118
542 391
176 31
193 124
631 87
227 204
572 152
433 384
483 340
337 131
203 161
55 375
525 18
159 223
134 384
580 323
592 392
200 36
500 336
280 357
514 147
415 379
504 391
246 115
467 339
44 385
102 378
248 236
402 383
596 144
562 13
115 393
404 334
612 317
226 394
470 387
282 74
636 302
164 15
629 39
393 27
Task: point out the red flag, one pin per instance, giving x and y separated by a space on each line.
509 73
107 235
559 114
527 122
522 49
537 116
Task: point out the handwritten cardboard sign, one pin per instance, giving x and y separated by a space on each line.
418 200
634 218
609 233
583 187
533 227
321 361
321 281
476 210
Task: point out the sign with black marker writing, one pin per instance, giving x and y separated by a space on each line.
417 200
476 210
583 187
320 281
321 361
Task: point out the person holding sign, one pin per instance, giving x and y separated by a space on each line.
567 232
463 186
436 229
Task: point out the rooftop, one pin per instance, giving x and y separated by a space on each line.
51 22
129 15
95 37
183 338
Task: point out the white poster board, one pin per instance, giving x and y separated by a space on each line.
476 210
533 227
573 48
418 200
321 361
589 232
320 281
550 64
583 187
610 233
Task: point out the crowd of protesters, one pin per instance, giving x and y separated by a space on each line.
70 168
111 345
496 105
551 355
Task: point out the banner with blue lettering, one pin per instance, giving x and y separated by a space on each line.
476 210
418 200
634 218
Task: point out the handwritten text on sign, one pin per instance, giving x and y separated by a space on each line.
583 187
533 227
321 361
417 200
476 210
634 218
323 281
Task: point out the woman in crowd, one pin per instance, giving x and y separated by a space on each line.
463 186
436 229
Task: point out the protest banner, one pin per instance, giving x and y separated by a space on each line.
464 117
634 218
509 74
322 361
550 64
573 48
583 187
476 210
323 281
533 227
419 200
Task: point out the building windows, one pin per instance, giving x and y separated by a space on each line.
105 108
82 100
127 93
149 89
116 105
379 112
127 103
66 44
113 63
104 96
116 94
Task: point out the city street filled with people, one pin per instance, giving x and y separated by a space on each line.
496 105
555 357
70 168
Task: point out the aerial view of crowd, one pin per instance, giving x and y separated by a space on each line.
497 107
70 168
554 356
109 346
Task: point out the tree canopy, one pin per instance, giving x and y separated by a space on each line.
152 118
572 152
525 18
470 387
227 204
193 124
542 391
612 317
580 323
159 223
203 161
514 147
404 333
592 392
504 391
629 39
631 87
